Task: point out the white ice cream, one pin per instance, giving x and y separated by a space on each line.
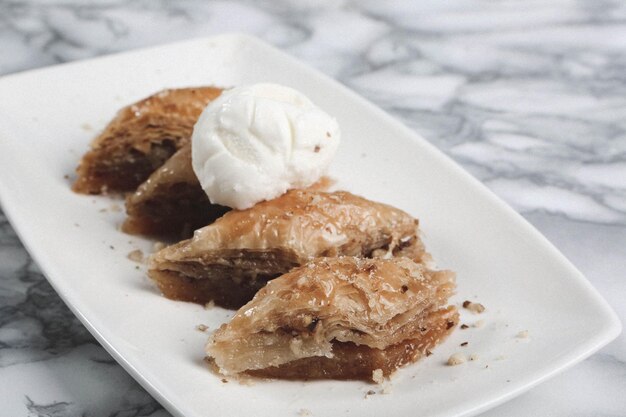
255 142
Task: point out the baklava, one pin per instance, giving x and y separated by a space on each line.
338 318
140 139
230 260
171 201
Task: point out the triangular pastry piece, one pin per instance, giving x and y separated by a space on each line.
229 260
171 201
140 139
339 318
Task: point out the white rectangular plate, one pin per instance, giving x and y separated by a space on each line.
48 117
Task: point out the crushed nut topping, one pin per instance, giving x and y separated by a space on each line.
135 255
377 376
473 307
456 359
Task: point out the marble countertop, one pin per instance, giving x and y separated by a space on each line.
529 96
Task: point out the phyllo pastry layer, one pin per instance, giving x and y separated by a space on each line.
231 259
140 139
171 201
339 318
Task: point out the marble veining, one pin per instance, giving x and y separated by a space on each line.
529 96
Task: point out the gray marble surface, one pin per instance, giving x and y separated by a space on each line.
529 96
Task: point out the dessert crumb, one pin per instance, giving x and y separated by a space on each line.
464 343
386 389
115 208
67 177
377 376
224 381
135 255
464 326
522 335
158 246
473 307
246 381
209 305
456 359
473 357
479 323
202 327
86 127
304 412
111 247
428 353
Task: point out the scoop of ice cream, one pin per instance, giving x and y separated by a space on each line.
255 142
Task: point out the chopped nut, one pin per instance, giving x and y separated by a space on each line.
202 327
450 325
295 345
464 326
464 344
456 359
522 335
473 307
135 255
377 376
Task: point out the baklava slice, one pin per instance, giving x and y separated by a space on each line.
171 201
338 318
230 260
140 139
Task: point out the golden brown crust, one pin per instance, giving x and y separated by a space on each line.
338 318
141 138
274 236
